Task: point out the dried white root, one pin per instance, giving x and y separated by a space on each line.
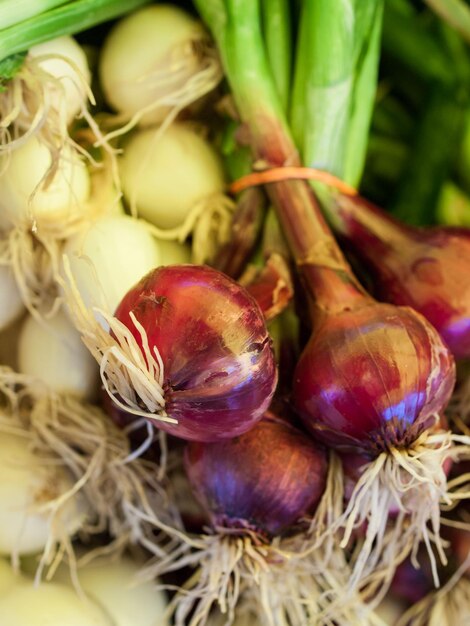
296 580
208 223
123 495
132 377
412 481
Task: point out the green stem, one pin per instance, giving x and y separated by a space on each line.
278 36
15 11
363 99
430 158
454 12
406 40
323 82
327 277
64 20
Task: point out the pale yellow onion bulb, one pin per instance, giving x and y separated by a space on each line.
27 193
138 56
166 175
52 351
174 252
49 604
115 587
11 302
109 257
72 71
27 481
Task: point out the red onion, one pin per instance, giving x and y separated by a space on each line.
265 480
258 489
373 376
411 584
427 269
219 370
188 349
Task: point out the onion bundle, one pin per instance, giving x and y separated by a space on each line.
372 375
226 481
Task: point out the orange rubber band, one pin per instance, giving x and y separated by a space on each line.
278 174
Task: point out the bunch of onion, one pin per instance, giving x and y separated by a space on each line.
188 349
373 376
267 494
45 200
45 183
96 485
44 73
154 64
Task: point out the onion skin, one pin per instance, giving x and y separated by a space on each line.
411 584
264 480
219 366
426 269
372 376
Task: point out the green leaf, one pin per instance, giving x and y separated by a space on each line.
9 67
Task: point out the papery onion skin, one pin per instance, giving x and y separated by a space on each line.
372 377
264 480
219 366
427 269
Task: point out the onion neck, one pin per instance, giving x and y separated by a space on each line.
326 274
327 277
368 228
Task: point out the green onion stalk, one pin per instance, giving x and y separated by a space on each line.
351 342
33 22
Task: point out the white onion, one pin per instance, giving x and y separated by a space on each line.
27 481
113 586
166 175
26 191
11 302
173 252
140 57
48 604
109 257
52 351
74 76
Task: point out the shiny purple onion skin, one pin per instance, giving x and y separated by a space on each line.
427 269
219 365
265 480
372 377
